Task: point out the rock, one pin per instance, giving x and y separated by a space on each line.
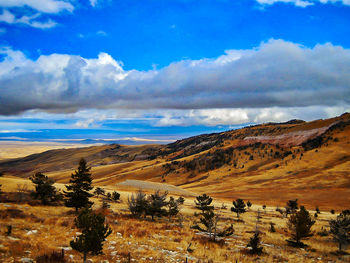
13 238
27 260
30 232
66 248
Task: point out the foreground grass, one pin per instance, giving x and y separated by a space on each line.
39 230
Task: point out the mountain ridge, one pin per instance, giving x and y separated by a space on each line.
262 162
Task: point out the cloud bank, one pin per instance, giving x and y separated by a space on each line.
275 74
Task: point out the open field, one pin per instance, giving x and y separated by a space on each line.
39 230
17 149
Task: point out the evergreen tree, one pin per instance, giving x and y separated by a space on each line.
99 191
180 200
203 203
94 233
340 229
292 206
238 207
254 244
115 196
318 210
156 204
77 194
249 204
208 219
173 207
44 189
138 204
300 224
207 215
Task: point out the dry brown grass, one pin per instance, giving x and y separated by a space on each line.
160 241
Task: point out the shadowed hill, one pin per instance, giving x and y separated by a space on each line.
268 163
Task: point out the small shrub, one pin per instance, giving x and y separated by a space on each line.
254 244
115 196
54 257
272 227
323 232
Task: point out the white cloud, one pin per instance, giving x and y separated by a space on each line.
37 9
101 33
214 117
224 90
303 3
93 2
10 18
44 6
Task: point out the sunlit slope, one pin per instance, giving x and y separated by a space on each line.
268 163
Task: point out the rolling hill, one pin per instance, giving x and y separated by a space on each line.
267 163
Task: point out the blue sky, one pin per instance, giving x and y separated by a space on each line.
168 69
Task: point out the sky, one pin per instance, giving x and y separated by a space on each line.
157 71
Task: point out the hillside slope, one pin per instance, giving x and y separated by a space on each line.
267 163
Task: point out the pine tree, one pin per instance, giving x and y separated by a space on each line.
44 189
249 204
207 215
180 200
138 204
208 219
173 207
77 194
238 207
94 233
254 244
203 203
115 196
318 210
300 224
340 229
156 204
99 191
292 206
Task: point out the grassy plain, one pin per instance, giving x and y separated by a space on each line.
39 230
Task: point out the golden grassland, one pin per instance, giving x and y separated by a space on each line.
39 230
17 149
